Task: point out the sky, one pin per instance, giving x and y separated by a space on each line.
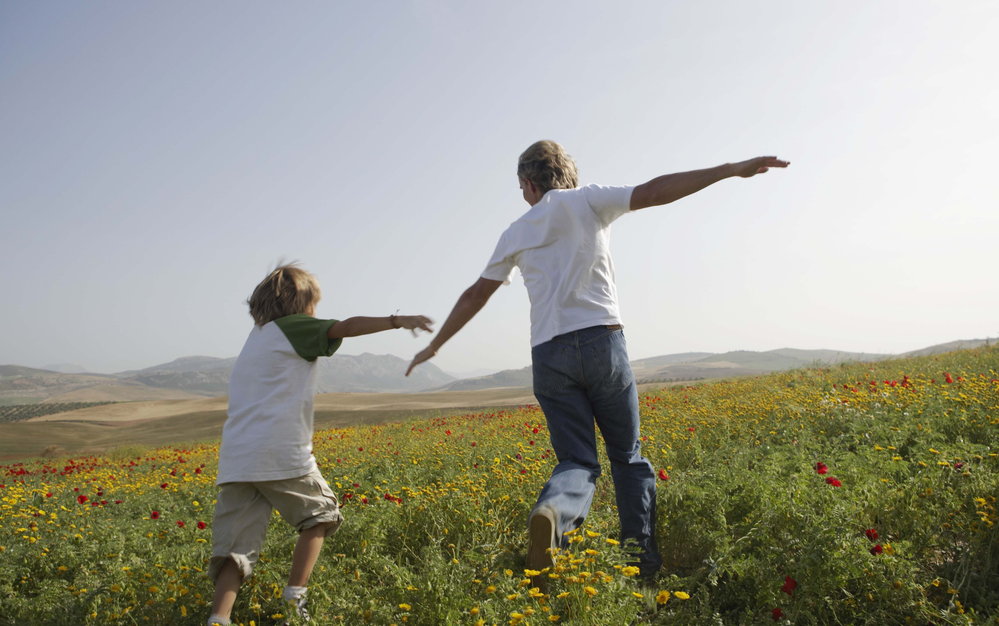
158 159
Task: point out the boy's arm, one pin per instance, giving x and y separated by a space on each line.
356 326
469 303
670 187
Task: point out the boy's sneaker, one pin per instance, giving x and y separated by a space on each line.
297 605
300 608
541 544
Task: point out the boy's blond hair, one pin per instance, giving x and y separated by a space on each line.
286 291
547 165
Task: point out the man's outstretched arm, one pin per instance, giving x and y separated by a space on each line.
469 303
671 187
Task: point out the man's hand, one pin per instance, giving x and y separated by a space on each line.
752 167
424 355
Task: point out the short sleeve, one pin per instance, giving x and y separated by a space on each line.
500 266
308 337
608 203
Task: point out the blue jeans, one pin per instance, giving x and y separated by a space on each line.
581 378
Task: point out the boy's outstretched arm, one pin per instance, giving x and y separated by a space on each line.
469 303
670 187
356 326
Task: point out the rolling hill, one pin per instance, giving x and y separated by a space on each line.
202 376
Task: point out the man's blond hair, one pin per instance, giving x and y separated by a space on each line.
547 165
286 291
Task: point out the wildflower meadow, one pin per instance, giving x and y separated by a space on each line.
857 494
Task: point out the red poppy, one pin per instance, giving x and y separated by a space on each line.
789 585
871 533
181 523
663 475
877 549
821 467
948 378
202 525
777 614
81 499
164 486
832 480
154 515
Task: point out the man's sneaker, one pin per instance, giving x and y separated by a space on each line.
541 544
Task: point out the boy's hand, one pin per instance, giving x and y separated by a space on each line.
759 165
414 322
424 355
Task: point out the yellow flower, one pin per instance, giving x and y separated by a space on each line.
681 595
637 595
631 570
662 597
405 607
613 542
564 594
592 534
590 591
531 572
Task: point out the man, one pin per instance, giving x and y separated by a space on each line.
580 361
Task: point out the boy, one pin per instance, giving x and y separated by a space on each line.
265 460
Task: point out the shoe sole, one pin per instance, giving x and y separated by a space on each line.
540 545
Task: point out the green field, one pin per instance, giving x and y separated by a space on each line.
22 412
859 494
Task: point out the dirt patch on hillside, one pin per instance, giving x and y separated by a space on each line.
102 429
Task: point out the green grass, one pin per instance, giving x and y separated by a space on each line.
436 509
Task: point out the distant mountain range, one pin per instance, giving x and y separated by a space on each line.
202 376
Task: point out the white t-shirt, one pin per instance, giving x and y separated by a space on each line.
268 432
562 247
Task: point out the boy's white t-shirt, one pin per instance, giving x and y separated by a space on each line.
268 432
562 247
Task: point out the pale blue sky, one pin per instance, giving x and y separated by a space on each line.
159 158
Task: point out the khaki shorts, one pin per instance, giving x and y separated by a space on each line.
243 511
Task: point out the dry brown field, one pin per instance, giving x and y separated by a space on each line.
104 429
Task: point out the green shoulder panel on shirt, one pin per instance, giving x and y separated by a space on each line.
308 336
